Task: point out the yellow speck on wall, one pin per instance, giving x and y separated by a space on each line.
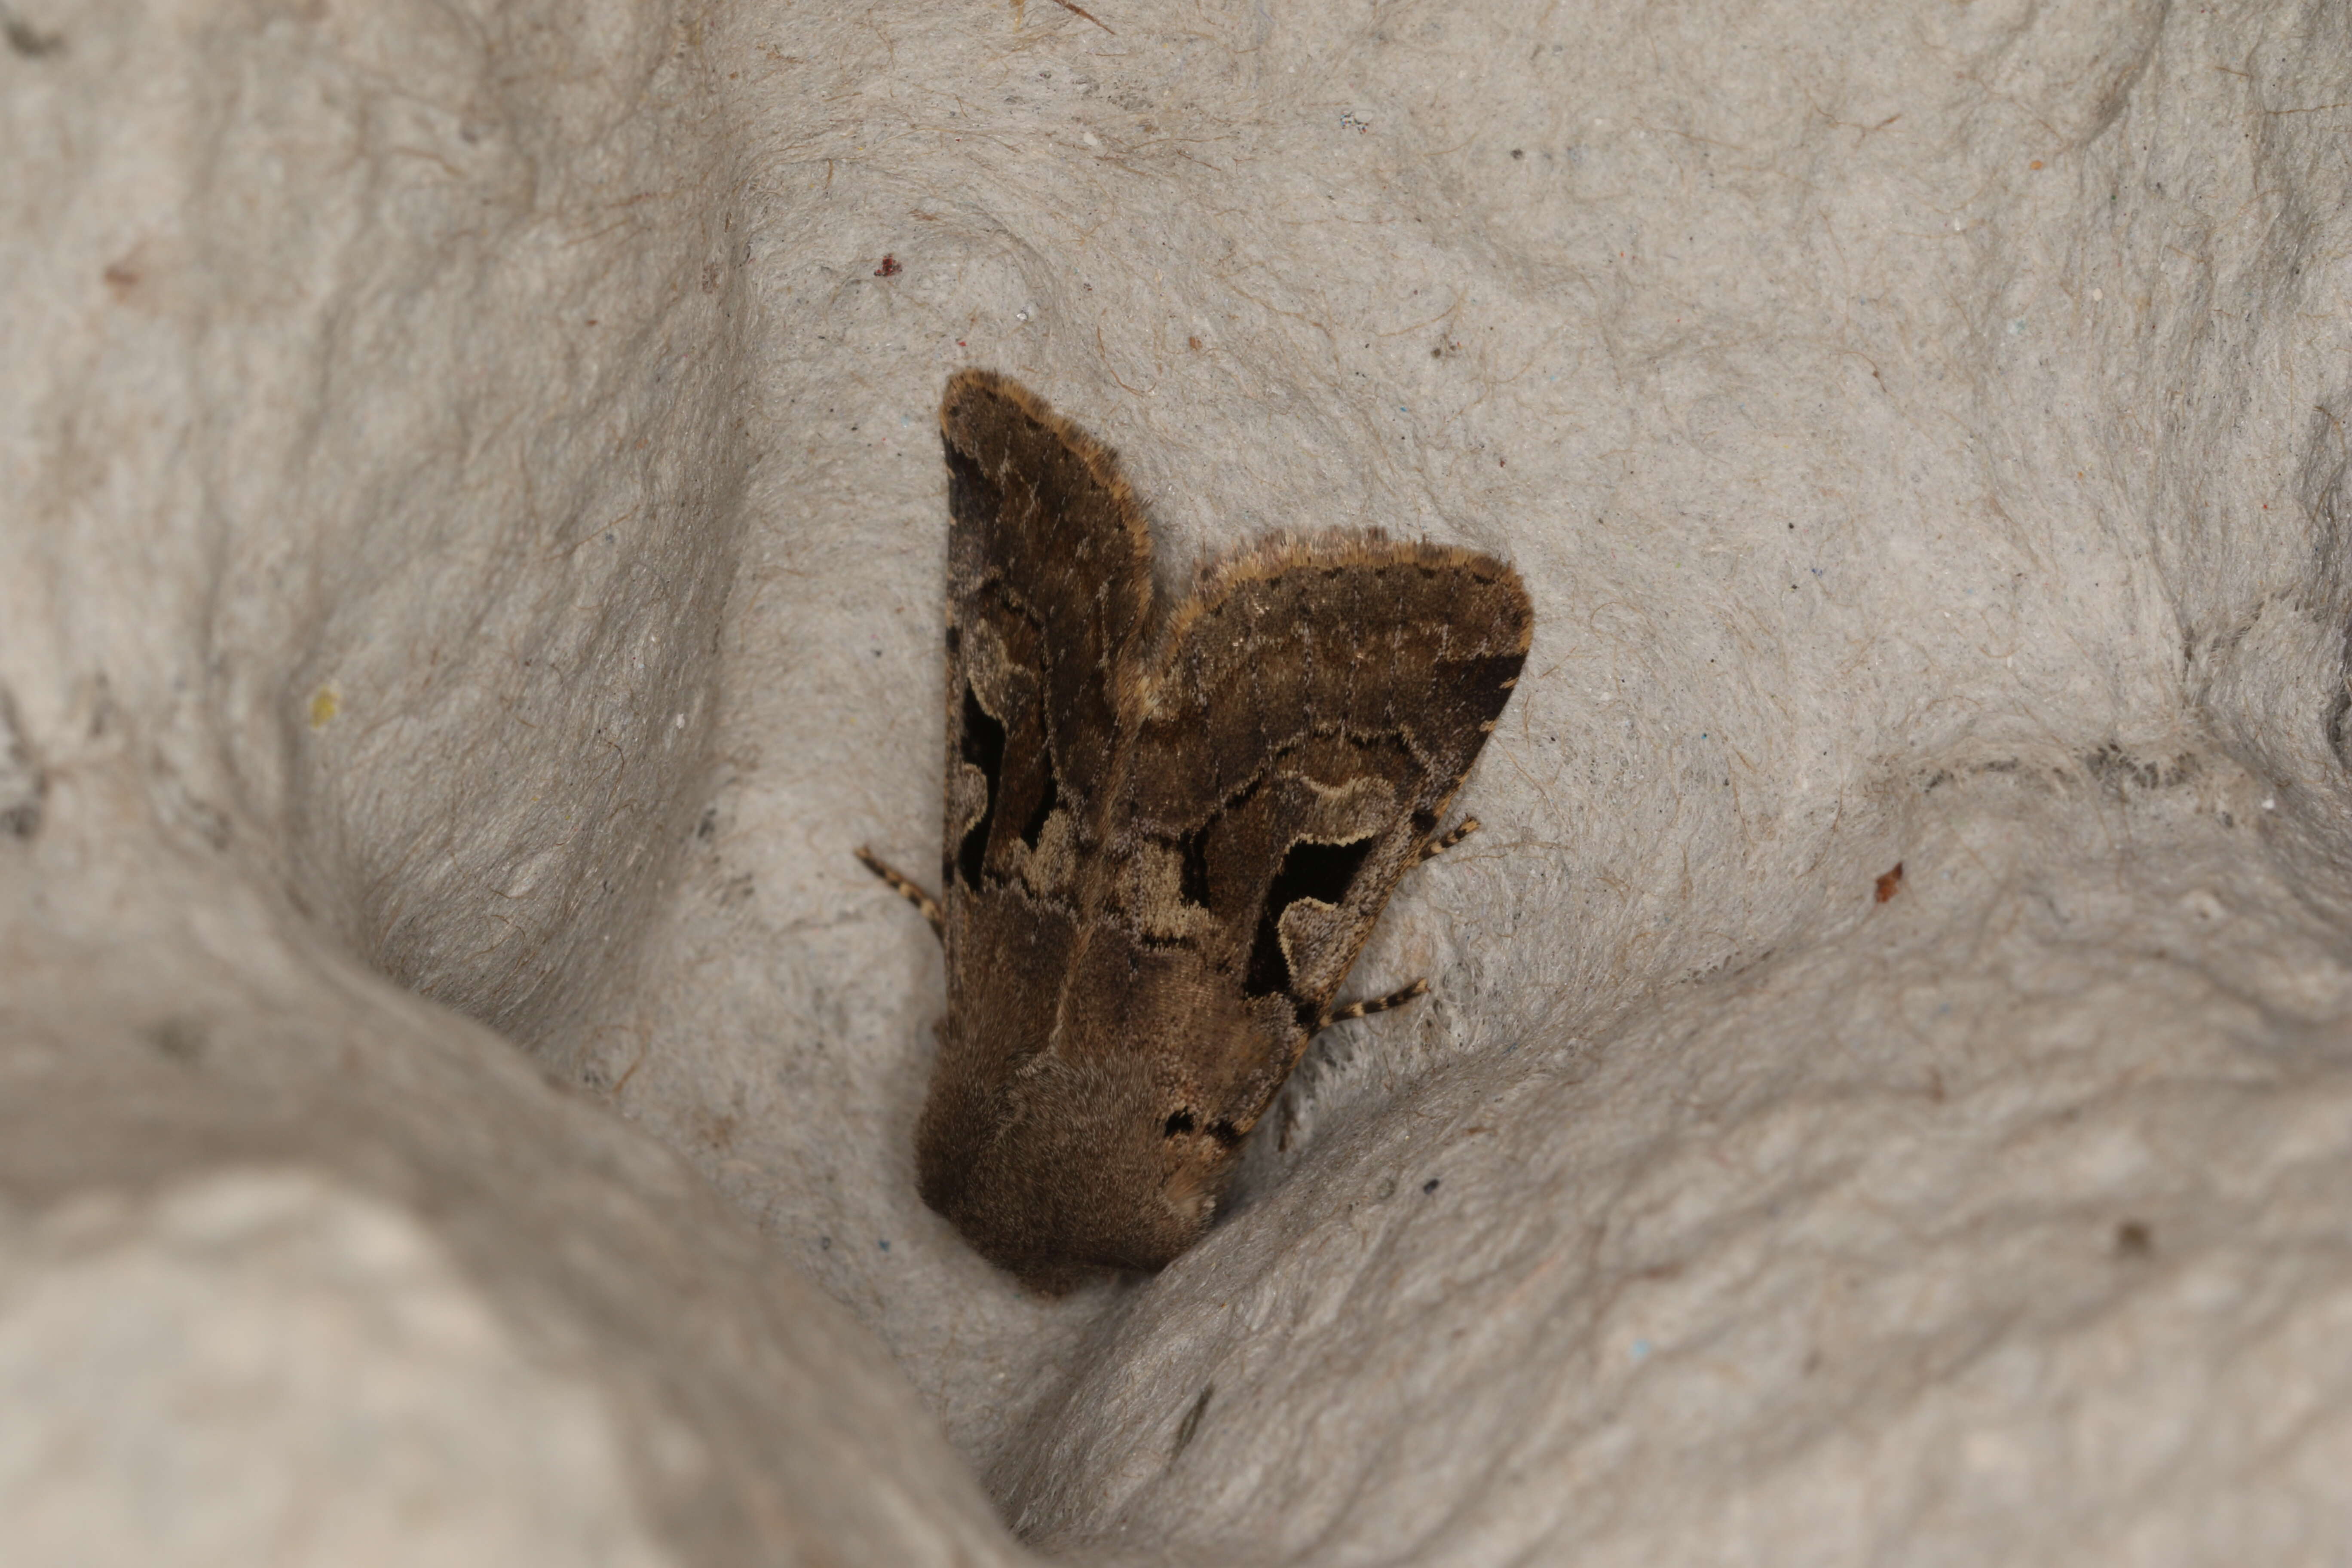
325 703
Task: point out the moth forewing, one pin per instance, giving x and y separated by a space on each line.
1168 835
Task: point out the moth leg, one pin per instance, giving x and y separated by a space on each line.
1366 1008
906 887
1397 998
1448 839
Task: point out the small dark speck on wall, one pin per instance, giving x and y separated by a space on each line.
1192 1422
26 39
182 1039
1430 1186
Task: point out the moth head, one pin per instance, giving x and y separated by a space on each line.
1107 1161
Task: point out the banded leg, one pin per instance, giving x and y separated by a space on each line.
906 889
1370 1005
1448 839
1419 988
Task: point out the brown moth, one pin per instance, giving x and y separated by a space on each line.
1170 829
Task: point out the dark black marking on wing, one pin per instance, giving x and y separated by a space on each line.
983 747
1323 872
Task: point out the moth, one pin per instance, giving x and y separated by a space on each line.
1169 826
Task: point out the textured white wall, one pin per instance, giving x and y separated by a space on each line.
472 509
373 480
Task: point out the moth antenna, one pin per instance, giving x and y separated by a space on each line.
1448 839
906 887
1365 1009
